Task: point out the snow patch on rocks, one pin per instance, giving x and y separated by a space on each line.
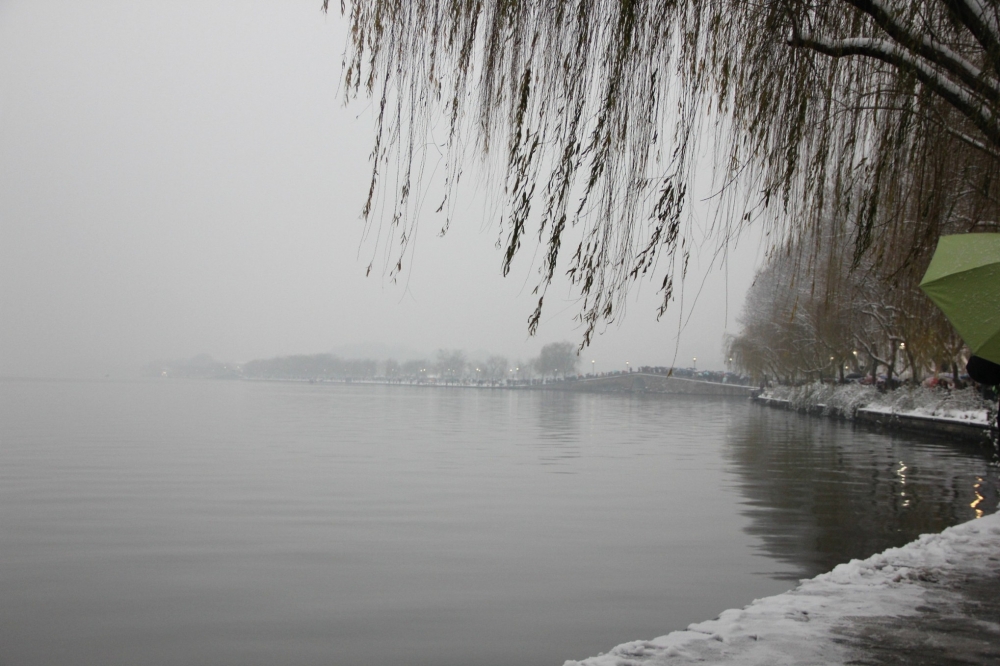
964 405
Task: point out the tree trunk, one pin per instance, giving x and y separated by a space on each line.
914 377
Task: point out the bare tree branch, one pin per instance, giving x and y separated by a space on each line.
976 17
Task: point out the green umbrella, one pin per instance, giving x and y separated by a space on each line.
964 281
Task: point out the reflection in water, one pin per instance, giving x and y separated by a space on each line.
555 425
245 523
557 417
821 492
979 497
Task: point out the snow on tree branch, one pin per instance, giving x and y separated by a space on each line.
881 49
926 46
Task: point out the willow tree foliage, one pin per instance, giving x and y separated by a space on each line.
591 115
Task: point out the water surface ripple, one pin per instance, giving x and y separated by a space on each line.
175 522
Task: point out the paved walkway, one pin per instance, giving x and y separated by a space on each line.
958 623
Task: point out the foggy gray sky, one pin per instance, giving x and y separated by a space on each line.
179 178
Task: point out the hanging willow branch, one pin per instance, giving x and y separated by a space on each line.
593 110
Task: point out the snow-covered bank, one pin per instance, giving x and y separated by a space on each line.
826 620
965 406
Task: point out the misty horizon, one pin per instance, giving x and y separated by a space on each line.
381 353
184 179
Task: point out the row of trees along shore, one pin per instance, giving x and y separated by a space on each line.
843 315
855 131
558 359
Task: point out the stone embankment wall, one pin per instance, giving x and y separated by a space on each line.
918 423
640 382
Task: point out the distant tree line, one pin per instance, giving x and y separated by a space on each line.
201 366
818 311
557 359
312 366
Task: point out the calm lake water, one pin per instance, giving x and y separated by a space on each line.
176 522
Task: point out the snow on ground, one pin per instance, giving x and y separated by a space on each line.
965 405
815 622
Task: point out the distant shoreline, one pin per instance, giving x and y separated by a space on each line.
635 382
